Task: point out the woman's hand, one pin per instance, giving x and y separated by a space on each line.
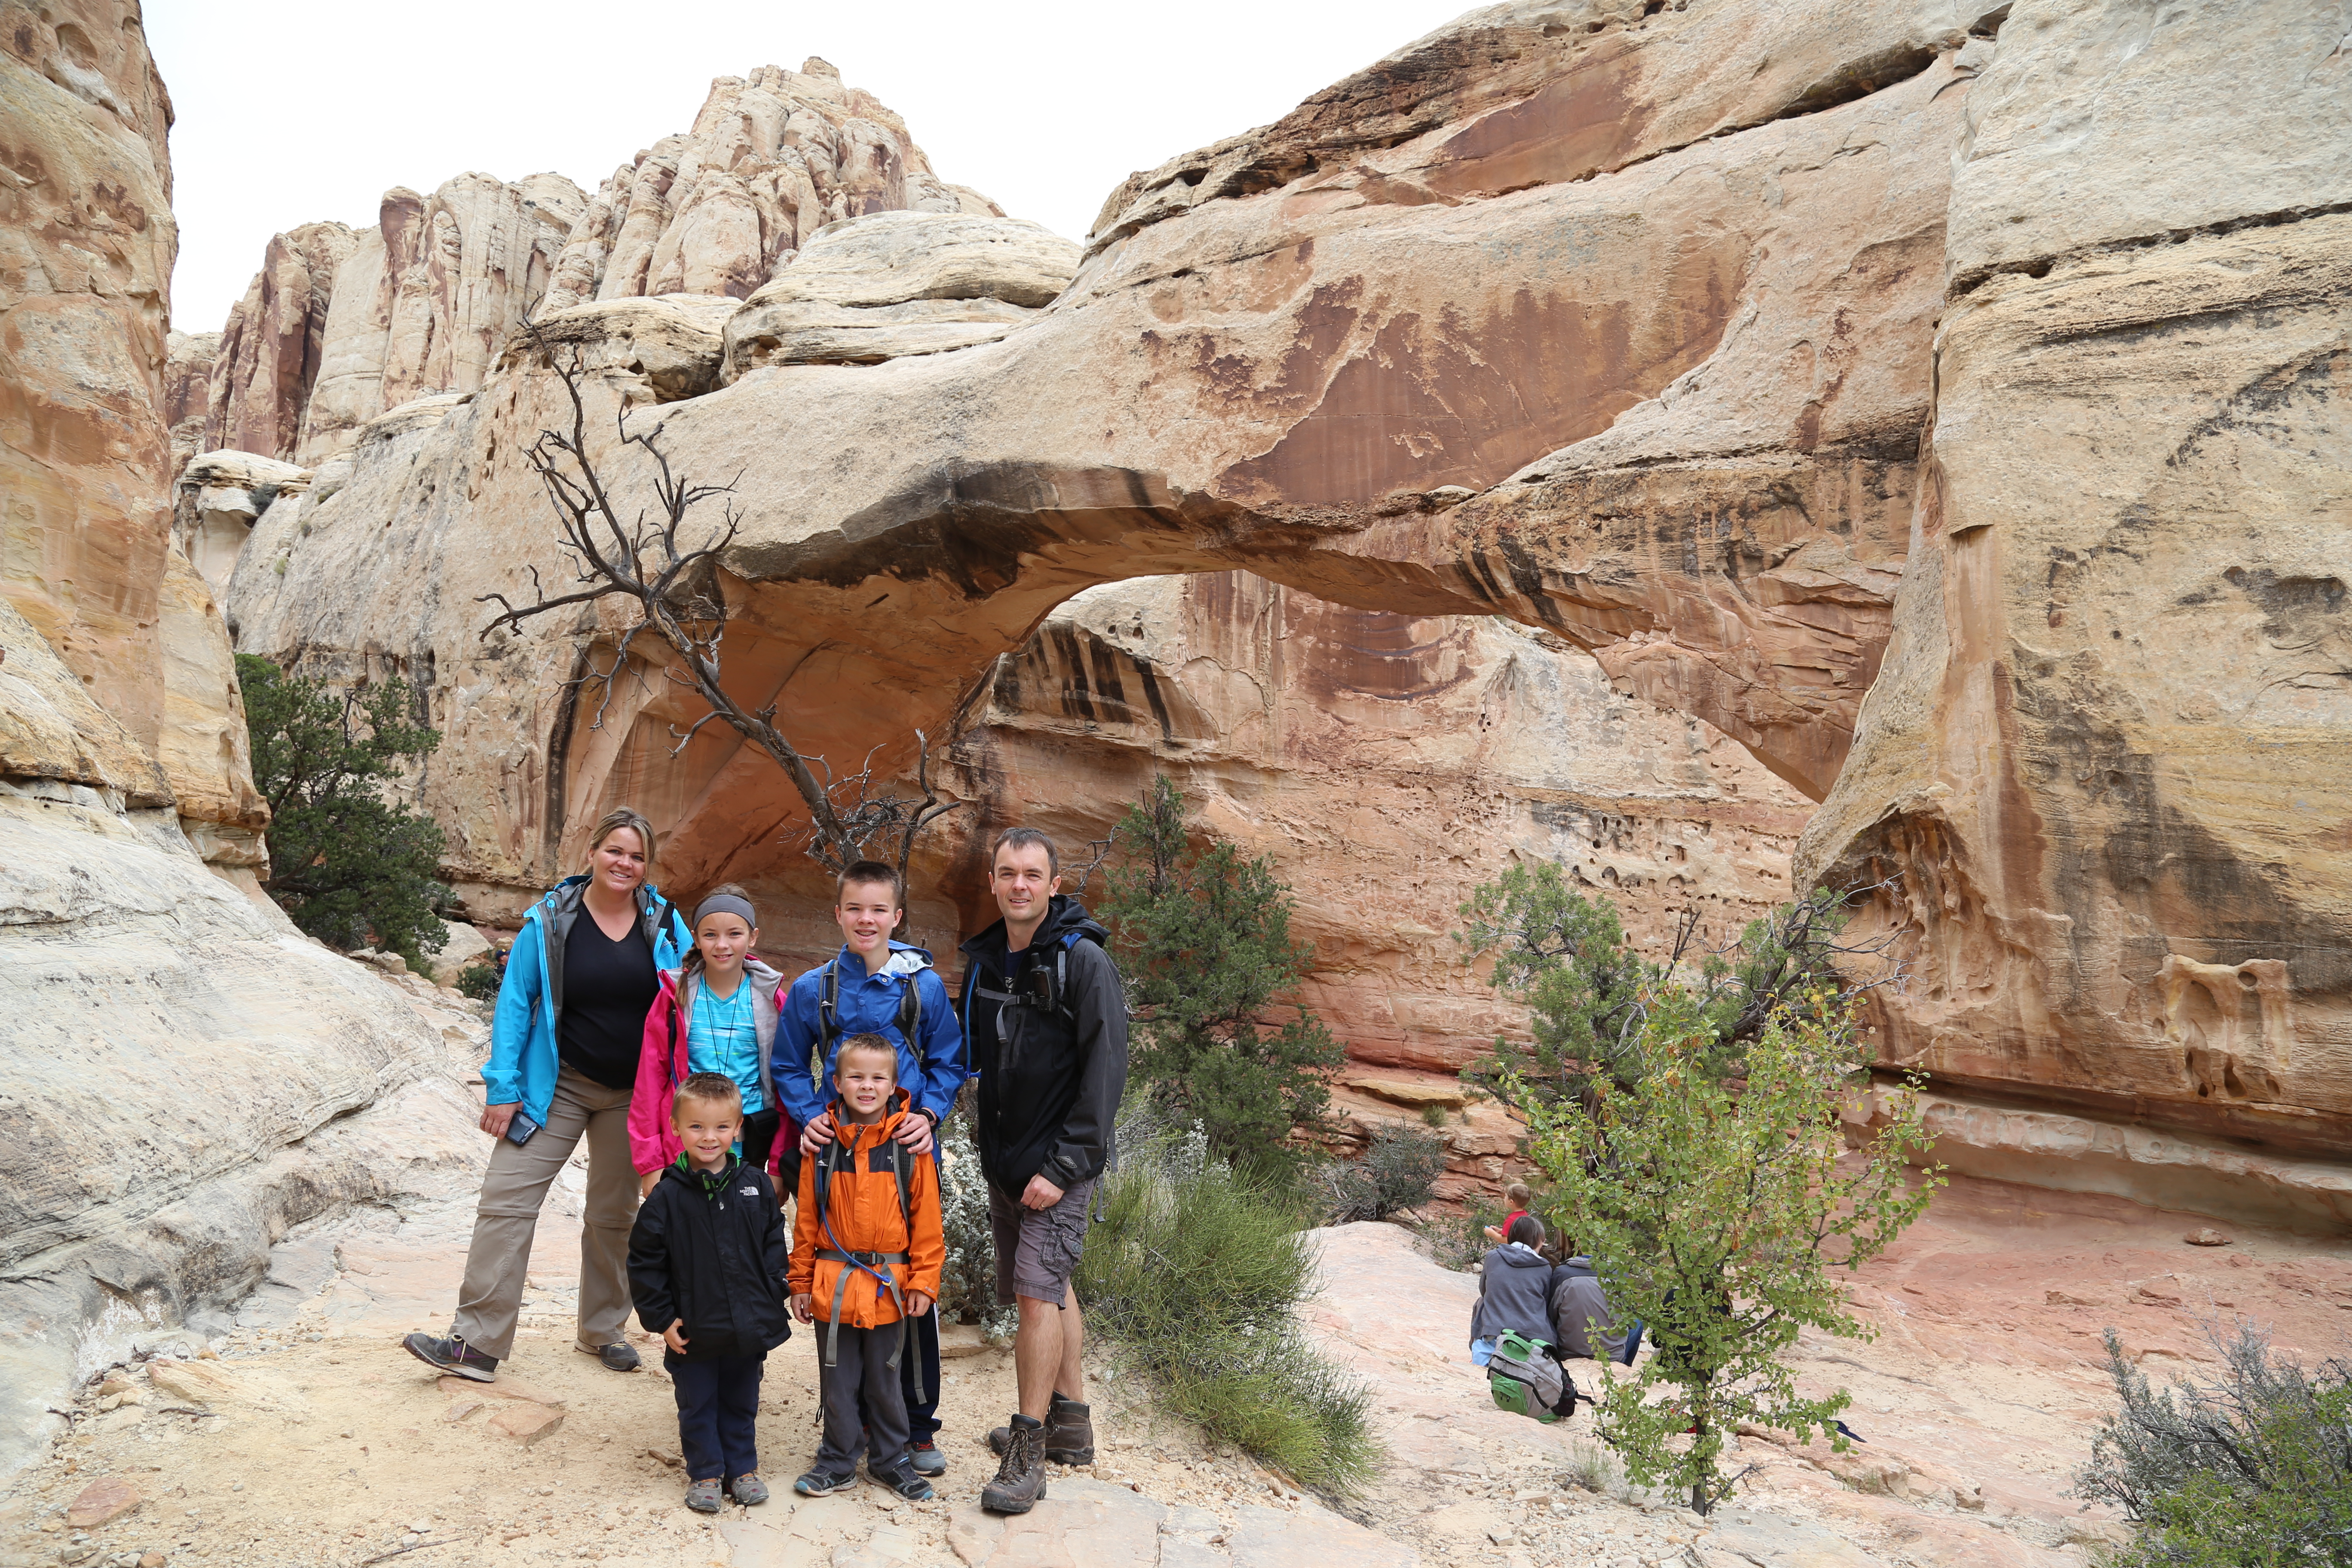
674 1340
804 1308
496 1119
915 1132
646 1184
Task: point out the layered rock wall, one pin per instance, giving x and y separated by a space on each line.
2104 762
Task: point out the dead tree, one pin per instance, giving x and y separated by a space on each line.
672 577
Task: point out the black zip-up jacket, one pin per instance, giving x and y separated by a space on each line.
712 1249
1049 1091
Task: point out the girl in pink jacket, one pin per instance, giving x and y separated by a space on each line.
715 1013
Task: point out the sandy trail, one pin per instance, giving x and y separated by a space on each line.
307 1438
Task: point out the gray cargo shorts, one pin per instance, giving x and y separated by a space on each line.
1037 1249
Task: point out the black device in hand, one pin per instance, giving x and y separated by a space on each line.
519 1130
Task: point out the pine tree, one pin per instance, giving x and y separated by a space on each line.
345 864
1203 938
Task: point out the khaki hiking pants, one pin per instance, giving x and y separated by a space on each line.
507 1216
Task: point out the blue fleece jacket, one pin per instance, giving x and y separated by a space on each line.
930 1068
523 1064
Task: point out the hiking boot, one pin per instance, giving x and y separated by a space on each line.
619 1356
1021 1478
824 1483
1070 1433
702 1496
924 1456
749 1490
453 1355
901 1478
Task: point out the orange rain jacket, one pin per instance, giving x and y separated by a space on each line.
863 1209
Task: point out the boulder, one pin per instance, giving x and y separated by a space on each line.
465 947
222 494
875 288
670 346
106 1499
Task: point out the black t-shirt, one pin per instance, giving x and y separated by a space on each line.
608 988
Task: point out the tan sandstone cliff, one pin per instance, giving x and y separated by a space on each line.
1628 323
172 1040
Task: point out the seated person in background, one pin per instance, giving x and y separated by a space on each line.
1514 1291
1584 1323
1519 1195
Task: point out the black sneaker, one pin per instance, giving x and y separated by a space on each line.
454 1356
615 1357
901 1478
823 1483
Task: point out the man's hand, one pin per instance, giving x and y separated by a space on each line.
495 1118
816 1135
674 1340
646 1184
804 1308
1040 1194
918 1303
915 1132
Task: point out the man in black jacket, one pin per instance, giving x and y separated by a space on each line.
707 1263
1046 1023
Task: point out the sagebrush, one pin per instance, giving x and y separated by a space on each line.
1397 1171
1195 1271
2254 1469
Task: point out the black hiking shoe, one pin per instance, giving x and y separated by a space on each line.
454 1356
901 1478
619 1356
1020 1479
1070 1433
824 1483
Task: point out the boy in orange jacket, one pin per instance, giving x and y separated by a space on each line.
866 1254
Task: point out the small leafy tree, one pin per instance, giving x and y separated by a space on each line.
346 865
1716 1211
2255 1469
1203 938
1586 988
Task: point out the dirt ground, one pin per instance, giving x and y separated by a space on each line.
303 1435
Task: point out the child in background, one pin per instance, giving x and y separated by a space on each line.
1519 1195
715 1013
707 1264
866 1260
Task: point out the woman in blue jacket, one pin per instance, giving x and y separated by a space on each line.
564 1043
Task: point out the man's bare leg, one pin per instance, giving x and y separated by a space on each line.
1046 1353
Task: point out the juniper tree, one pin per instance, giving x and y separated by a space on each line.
346 864
1202 936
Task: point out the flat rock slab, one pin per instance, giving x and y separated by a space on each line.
108 1497
1086 1523
505 1388
1771 1543
527 1423
210 1383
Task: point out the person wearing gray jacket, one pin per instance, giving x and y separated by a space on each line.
1584 1323
1514 1287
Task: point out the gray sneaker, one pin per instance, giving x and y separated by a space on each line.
702 1496
452 1355
749 1490
925 1458
619 1356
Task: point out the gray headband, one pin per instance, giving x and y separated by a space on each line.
726 904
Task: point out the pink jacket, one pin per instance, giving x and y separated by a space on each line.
662 1063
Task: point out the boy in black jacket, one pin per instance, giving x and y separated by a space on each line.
706 1266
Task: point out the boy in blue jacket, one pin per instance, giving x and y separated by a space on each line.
879 987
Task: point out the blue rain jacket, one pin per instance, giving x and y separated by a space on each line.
522 1064
930 1068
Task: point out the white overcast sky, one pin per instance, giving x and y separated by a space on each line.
290 110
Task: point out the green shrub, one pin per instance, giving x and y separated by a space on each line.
481 979
346 865
1459 1240
1398 1171
1434 1114
1204 939
1196 1272
2255 1469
